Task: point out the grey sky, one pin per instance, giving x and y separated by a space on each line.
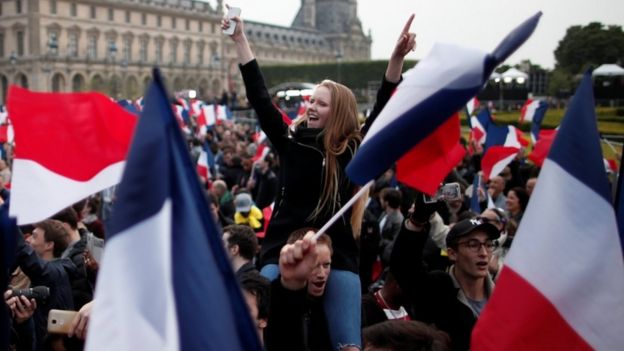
473 23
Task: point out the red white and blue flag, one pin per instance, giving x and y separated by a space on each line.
425 104
501 147
561 287
542 146
472 106
67 147
479 125
165 281
534 112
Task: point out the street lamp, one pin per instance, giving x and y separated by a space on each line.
112 53
13 61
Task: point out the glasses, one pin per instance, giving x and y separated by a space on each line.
474 245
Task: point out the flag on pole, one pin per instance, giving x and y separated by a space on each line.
479 125
68 146
501 147
165 282
542 146
430 94
472 106
532 110
561 288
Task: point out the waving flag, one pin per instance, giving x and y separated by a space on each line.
431 93
203 168
474 197
561 288
542 146
68 146
479 125
501 147
532 110
165 282
619 201
472 106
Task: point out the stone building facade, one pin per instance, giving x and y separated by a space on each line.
111 45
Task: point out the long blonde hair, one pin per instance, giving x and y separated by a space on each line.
340 134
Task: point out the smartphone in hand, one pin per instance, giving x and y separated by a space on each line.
60 321
232 12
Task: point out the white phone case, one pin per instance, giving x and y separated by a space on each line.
232 12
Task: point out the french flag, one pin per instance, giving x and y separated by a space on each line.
206 119
532 110
165 281
542 146
68 146
479 125
561 288
501 147
424 109
203 167
261 152
472 106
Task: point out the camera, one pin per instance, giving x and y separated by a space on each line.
39 293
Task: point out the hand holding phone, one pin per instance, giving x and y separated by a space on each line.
232 12
60 321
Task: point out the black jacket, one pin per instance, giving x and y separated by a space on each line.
82 291
302 161
434 295
53 274
296 321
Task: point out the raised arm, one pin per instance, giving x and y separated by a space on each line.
269 116
392 77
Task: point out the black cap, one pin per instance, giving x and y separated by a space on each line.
468 226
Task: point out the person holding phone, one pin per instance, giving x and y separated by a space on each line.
314 152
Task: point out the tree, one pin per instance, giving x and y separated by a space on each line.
593 45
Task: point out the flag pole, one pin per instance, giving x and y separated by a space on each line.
343 209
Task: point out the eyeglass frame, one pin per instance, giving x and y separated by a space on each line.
489 245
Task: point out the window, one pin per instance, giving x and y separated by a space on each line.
143 49
159 47
72 45
187 53
92 46
111 14
93 12
1 44
73 10
127 16
127 49
53 7
159 21
20 43
201 26
187 25
173 22
174 51
200 53
143 19
18 6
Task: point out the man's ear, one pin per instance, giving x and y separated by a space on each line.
452 254
48 245
235 249
262 323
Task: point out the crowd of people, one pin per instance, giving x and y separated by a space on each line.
397 272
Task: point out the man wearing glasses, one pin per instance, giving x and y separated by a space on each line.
451 300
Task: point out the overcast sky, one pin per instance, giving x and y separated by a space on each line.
473 23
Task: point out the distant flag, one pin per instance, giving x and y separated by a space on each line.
561 288
196 107
431 93
165 281
221 112
611 165
90 135
261 152
479 125
285 117
501 147
303 106
472 106
534 111
138 104
129 106
203 168
542 146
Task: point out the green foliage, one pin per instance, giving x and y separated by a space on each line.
355 75
593 44
561 83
